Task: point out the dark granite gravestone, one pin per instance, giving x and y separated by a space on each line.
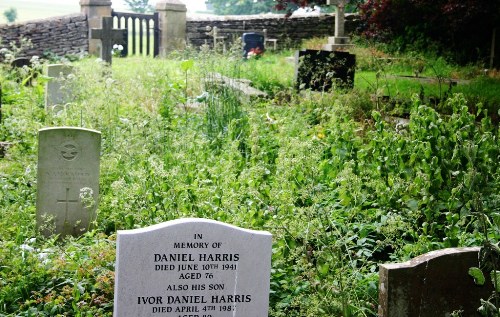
434 284
108 37
20 62
323 70
252 43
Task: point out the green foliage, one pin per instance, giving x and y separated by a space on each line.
463 29
241 7
341 187
139 6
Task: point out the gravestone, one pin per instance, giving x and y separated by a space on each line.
339 41
57 88
192 267
433 284
108 37
68 180
323 70
252 43
20 62
22 65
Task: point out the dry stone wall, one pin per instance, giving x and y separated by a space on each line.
289 31
59 35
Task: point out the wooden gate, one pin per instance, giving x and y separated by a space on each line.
143 32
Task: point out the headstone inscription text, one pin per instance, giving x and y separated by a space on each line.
68 180
192 268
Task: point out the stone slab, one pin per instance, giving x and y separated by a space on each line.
68 180
434 284
241 85
192 267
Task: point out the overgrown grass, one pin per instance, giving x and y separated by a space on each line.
340 188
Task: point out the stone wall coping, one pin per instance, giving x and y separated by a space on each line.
44 20
259 17
97 3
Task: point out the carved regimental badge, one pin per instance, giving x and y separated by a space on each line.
69 150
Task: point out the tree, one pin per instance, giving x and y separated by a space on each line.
10 14
240 7
462 28
139 6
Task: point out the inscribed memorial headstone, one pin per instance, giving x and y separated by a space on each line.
192 267
57 90
433 284
68 180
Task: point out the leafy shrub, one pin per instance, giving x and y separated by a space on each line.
462 28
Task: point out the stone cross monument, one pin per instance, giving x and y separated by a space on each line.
108 37
339 41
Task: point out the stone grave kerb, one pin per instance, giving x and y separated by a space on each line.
108 37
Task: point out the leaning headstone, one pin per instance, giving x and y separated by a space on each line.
433 284
339 41
57 88
108 37
323 70
253 44
68 180
192 267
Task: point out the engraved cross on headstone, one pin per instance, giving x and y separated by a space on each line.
339 16
67 201
108 37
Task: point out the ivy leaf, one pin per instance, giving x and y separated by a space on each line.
478 275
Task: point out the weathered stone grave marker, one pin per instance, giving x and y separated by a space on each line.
322 70
68 180
253 43
339 41
57 90
433 284
192 267
108 37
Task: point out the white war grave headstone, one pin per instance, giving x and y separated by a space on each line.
192 267
68 180
339 41
57 90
